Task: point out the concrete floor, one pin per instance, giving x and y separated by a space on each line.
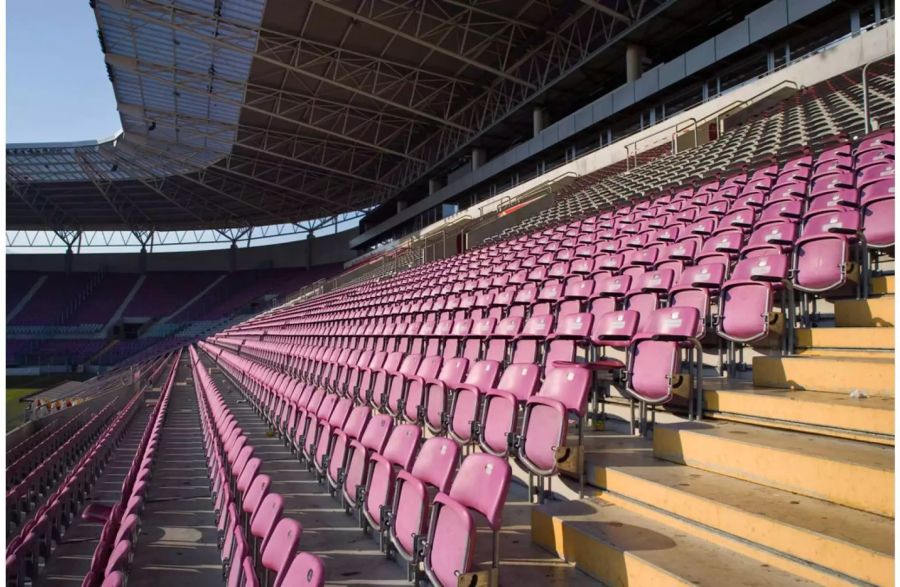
353 558
177 542
71 559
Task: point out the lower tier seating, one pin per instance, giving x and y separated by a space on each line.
56 489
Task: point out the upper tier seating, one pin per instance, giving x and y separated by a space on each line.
163 292
18 284
61 324
98 309
814 119
51 300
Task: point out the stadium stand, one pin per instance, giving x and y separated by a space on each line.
673 367
816 117
657 278
81 331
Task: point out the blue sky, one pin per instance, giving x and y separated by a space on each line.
56 84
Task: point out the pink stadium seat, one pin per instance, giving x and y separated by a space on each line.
279 549
397 455
305 570
481 485
655 355
373 439
264 520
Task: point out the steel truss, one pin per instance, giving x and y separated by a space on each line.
266 119
200 239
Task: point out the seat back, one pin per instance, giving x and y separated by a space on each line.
258 490
305 570
240 554
520 379
569 386
402 444
377 431
280 547
483 374
482 484
267 515
436 462
248 474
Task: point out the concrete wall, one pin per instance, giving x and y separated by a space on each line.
325 250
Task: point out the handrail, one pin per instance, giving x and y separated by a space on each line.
675 139
678 126
443 234
748 101
672 127
865 95
546 184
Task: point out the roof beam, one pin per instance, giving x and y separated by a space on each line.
330 5
218 42
225 165
187 177
108 190
595 4
143 72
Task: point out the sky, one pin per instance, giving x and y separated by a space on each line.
56 83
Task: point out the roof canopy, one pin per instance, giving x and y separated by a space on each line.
241 113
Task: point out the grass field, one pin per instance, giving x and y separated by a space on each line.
19 387
15 408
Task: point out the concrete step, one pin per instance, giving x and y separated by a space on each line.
878 312
853 474
870 373
620 547
882 285
869 419
836 543
859 338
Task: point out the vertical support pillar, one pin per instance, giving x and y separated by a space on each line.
232 256
479 156
70 259
538 119
634 55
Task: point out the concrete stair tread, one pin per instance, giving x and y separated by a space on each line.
848 337
870 312
807 464
841 356
847 540
854 354
835 449
621 547
842 372
882 284
823 412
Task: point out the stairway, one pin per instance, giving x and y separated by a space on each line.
788 480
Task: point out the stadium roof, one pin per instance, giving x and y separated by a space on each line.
251 112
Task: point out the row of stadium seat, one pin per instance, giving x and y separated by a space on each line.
33 544
236 483
380 471
814 119
778 238
121 521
